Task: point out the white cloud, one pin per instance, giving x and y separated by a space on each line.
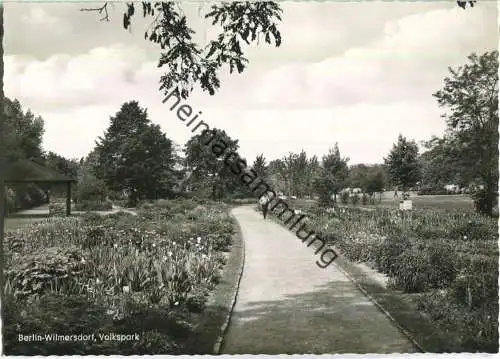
103 75
410 59
359 77
38 17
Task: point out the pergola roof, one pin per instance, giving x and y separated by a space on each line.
29 171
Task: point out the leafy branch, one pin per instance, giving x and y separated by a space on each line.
100 10
189 63
463 4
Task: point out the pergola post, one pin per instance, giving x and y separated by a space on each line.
68 199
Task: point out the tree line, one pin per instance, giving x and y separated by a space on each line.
135 160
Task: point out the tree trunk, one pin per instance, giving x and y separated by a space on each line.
133 198
491 199
214 192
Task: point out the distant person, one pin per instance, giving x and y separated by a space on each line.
395 192
264 204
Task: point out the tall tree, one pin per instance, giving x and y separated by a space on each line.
190 63
374 180
437 164
333 175
135 155
210 175
357 175
313 169
403 163
370 178
300 173
260 166
59 164
290 173
23 132
470 95
278 175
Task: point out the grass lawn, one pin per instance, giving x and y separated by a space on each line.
444 202
429 201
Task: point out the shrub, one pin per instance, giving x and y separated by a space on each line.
10 197
24 196
50 269
477 284
424 266
471 330
365 199
139 274
93 205
431 190
53 313
357 247
483 199
37 236
90 188
355 199
385 253
472 229
243 201
57 209
221 241
196 301
452 254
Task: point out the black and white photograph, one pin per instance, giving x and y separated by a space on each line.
248 177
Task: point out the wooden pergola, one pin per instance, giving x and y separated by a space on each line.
28 171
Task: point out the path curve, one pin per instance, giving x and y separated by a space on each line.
288 305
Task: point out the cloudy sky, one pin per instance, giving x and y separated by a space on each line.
356 73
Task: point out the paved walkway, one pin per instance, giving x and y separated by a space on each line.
288 305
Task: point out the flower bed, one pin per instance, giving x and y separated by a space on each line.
452 255
147 274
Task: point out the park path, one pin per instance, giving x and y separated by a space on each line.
286 304
44 210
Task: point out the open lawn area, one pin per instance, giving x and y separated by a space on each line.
387 200
426 201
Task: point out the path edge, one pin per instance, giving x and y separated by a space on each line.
432 342
238 236
348 272
411 322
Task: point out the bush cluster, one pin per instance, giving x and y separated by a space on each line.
93 205
145 274
454 252
24 196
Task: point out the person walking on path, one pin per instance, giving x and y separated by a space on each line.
264 204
